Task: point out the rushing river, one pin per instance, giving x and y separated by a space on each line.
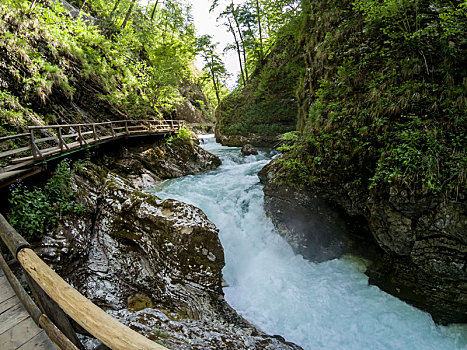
318 306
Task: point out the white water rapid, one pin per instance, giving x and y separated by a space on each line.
317 306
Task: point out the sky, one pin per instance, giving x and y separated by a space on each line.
205 23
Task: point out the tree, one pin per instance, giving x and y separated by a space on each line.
213 63
231 14
258 16
245 22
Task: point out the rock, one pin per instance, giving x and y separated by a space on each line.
133 251
146 164
417 245
139 302
248 150
238 140
183 333
313 226
195 107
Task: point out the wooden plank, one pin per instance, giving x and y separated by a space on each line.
35 127
87 133
39 342
45 139
8 304
21 294
19 165
6 292
14 151
51 150
21 160
19 335
89 316
9 137
12 317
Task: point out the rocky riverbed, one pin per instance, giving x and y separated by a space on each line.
154 264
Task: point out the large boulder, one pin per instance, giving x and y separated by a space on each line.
248 150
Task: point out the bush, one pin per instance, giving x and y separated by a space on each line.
33 212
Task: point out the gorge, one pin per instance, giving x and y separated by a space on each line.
346 230
316 305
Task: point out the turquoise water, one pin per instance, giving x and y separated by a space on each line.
327 305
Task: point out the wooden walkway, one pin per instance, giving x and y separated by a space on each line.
32 150
17 328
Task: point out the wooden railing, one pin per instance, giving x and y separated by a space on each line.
59 302
45 141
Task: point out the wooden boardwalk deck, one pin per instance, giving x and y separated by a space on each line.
17 329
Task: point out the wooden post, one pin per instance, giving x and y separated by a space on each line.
94 133
112 128
126 127
61 142
171 124
80 137
13 240
36 153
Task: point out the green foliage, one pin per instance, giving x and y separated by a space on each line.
182 136
33 212
267 105
47 55
384 96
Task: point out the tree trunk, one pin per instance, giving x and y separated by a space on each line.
114 9
128 14
238 51
260 33
243 47
154 10
214 82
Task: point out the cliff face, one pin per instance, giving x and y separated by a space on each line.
375 146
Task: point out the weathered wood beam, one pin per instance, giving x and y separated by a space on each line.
89 316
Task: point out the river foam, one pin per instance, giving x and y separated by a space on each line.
318 306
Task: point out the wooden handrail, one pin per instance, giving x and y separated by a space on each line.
80 135
88 315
